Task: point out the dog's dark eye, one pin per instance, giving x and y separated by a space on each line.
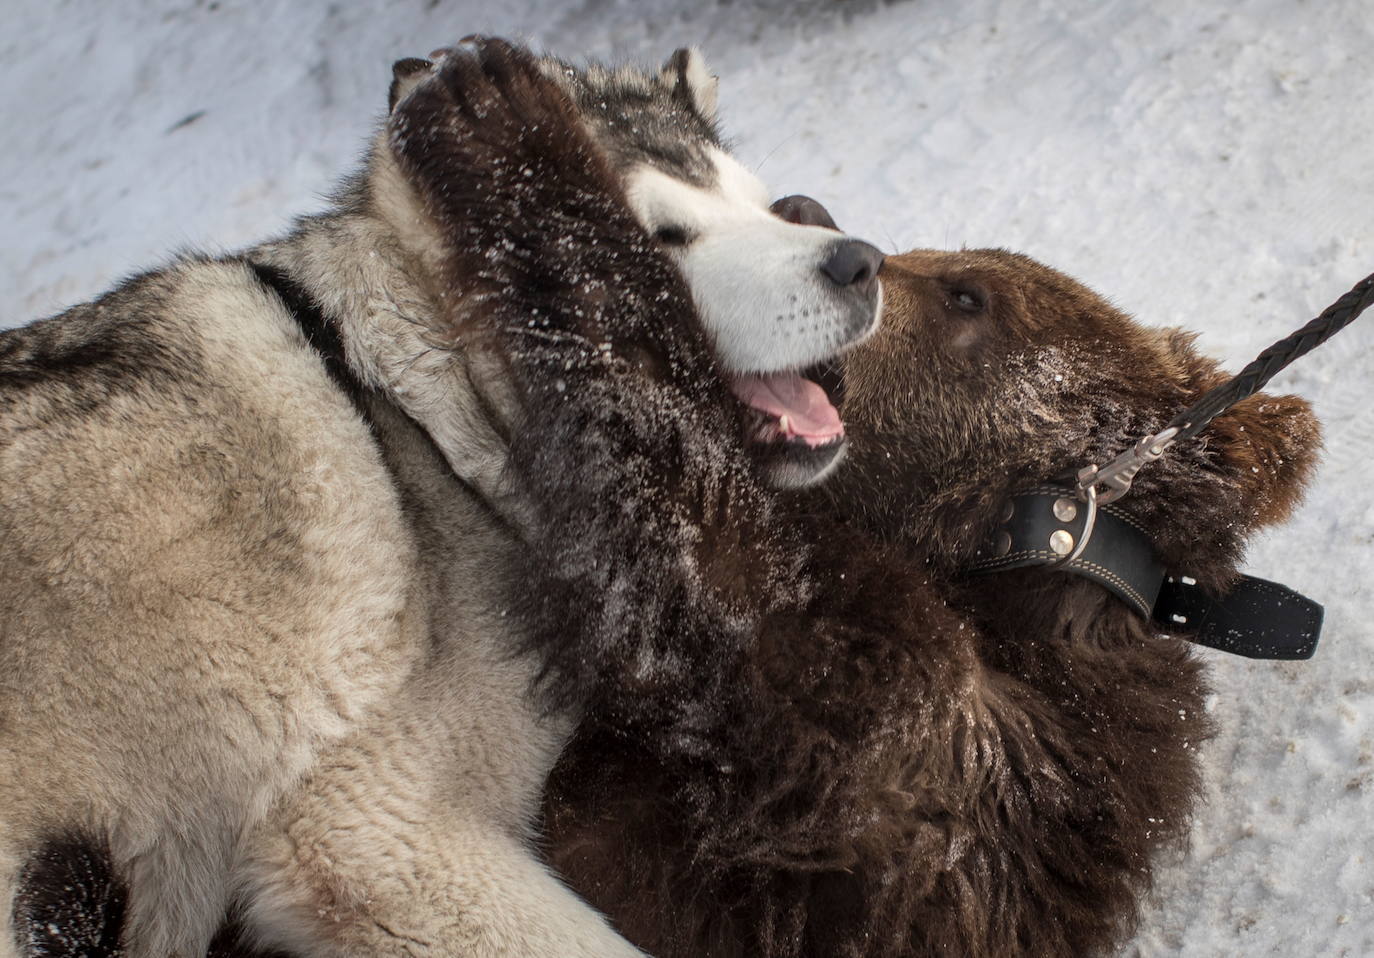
967 300
672 236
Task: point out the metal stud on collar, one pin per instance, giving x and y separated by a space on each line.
1088 495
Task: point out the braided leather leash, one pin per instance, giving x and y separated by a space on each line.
1102 484
1253 377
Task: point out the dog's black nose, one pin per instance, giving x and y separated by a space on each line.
853 263
804 211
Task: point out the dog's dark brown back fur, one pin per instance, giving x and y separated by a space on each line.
911 763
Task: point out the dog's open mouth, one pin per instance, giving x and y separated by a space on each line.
789 407
791 422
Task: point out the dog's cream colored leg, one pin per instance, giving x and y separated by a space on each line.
411 837
378 885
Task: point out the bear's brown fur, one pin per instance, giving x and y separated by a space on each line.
805 733
911 762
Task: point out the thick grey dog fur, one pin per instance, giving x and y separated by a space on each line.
257 551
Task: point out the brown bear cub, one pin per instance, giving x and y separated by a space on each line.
805 732
911 761
907 761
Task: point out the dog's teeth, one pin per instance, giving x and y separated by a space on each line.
784 425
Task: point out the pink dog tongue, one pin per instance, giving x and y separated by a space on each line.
808 411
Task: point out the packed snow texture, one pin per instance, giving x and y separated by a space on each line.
1206 164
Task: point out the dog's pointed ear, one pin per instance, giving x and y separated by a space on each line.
687 76
405 74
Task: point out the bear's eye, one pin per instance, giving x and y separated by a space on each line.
672 236
967 300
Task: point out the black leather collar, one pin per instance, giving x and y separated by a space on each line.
1256 618
1041 526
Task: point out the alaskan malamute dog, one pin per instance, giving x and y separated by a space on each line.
259 549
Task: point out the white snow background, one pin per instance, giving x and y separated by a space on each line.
1209 164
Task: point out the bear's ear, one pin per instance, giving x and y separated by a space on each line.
686 75
406 73
1268 447
1265 446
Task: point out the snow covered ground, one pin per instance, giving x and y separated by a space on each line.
1209 164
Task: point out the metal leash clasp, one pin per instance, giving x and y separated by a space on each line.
1099 485
1118 474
